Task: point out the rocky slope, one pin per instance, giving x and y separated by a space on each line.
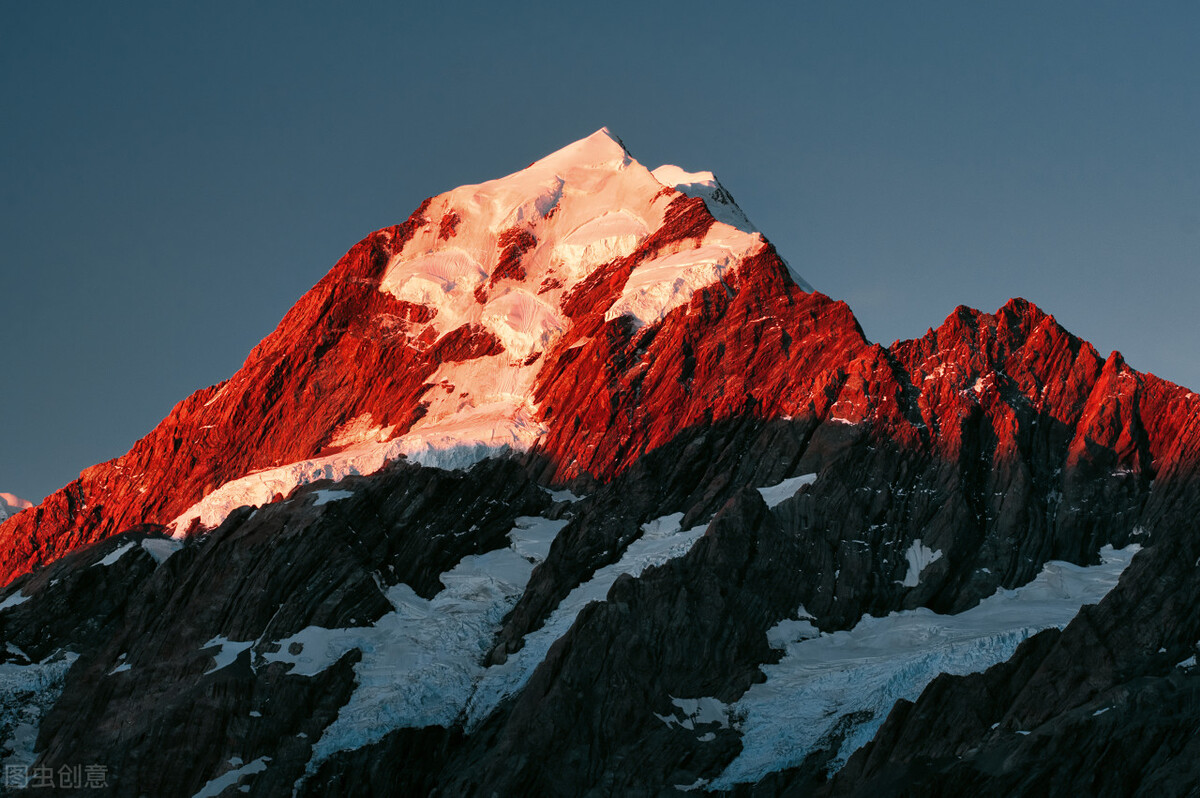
567 485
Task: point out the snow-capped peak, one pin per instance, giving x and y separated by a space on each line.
11 505
519 245
601 150
499 261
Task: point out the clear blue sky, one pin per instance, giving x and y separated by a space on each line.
173 177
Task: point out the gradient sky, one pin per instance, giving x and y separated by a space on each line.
173 178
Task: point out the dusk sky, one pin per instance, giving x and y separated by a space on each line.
174 178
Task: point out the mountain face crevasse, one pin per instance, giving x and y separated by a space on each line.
560 485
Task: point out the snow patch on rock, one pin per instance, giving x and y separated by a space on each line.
420 662
161 549
116 554
835 691
232 777
532 536
662 540
15 599
695 712
705 185
919 558
227 652
777 494
658 286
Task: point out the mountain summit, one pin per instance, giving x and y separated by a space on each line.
489 322
568 485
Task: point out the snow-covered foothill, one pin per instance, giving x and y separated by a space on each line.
848 681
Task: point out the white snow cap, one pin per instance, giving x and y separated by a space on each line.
567 215
706 186
10 505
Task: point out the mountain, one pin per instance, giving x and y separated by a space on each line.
569 485
11 505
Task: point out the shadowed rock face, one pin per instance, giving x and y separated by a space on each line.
587 721
427 631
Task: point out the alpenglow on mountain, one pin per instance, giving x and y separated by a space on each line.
569 485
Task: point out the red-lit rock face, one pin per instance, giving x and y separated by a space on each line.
585 311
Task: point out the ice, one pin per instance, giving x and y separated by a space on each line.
846 682
161 549
421 662
227 651
695 785
26 693
563 496
611 235
326 496
662 540
532 536
706 186
790 631
116 553
524 323
919 558
14 600
658 286
697 712
228 779
443 280
777 494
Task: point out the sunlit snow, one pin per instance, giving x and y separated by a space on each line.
11 505
582 207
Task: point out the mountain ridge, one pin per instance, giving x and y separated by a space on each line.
565 486
602 379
